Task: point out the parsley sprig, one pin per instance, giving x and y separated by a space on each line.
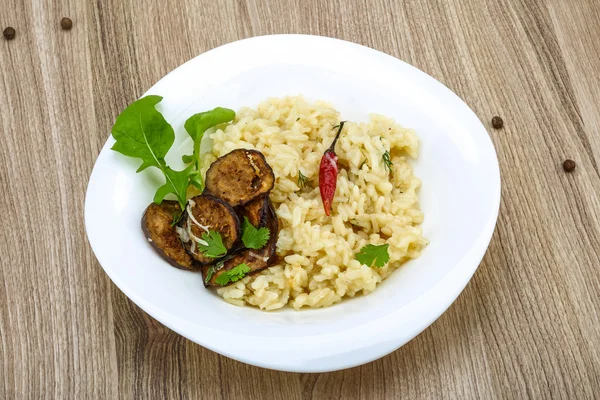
233 275
373 255
252 237
214 247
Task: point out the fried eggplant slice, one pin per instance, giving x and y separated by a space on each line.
256 211
207 213
157 227
256 260
239 177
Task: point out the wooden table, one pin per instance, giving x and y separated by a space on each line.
526 326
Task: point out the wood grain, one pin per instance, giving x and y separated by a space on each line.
527 326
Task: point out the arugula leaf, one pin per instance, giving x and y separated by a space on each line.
177 183
142 132
387 161
199 123
233 275
187 159
254 238
215 247
196 179
373 255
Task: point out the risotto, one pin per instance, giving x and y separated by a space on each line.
376 202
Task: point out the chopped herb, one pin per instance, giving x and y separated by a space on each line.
337 126
297 119
373 255
301 180
233 275
387 161
209 274
254 238
215 247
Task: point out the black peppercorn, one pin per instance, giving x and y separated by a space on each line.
569 165
9 33
66 23
497 122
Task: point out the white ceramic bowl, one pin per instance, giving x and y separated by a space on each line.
460 197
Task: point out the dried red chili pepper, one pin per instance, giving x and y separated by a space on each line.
328 173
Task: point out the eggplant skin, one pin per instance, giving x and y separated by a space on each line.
239 177
217 216
156 225
255 259
256 211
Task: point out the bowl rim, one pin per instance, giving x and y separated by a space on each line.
424 310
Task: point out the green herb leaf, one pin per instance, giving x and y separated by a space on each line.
197 124
301 180
233 275
177 183
215 247
387 161
187 158
373 255
142 132
176 218
212 270
196 180
254 238
209 274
